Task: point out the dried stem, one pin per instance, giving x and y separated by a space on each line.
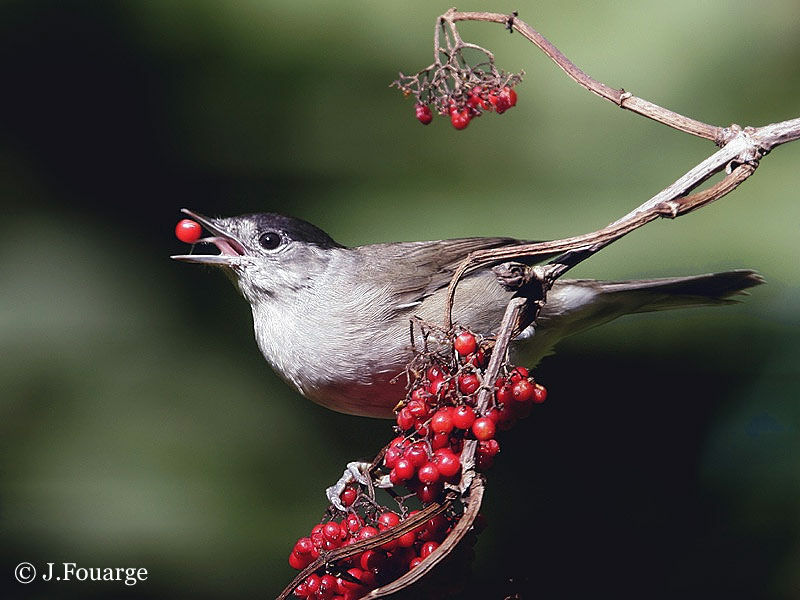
621 98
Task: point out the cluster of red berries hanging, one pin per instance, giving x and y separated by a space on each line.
440 414
479 99
461 83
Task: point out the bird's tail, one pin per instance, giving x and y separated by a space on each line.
646 295
575 305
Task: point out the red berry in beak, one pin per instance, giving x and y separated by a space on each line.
188 231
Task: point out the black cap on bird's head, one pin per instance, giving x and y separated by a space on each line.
256 235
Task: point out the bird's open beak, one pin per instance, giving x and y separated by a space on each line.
229 247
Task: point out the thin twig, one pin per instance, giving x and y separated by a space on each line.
621 98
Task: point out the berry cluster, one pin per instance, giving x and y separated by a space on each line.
462 108
440 414
369 569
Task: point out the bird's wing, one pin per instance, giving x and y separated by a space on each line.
429 266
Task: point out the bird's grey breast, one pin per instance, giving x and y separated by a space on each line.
338 328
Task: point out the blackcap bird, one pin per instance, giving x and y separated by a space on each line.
334 321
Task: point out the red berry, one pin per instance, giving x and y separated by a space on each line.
420 394
436 372
468 383
348 496
440 440
522 391
327 587
345 533
489 447
372 559
299 562
414 562
354 522
392 456
369 580
475 99
505 394
539 393
417 454
503 102
387 520
442 422
483 428
465 343
504 418
423 113
438 387
301 591
447 462
478 359
354 572
418 409
312 584
429 492
404 469
464 417
428 473
332 531
427 549
518 373
188 231
512 95
461 119
434 528
366 532
407 539
405 420
304 546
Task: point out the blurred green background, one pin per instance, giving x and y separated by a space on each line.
140 425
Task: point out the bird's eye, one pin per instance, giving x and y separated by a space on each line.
269 240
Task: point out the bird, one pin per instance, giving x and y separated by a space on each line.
333 321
